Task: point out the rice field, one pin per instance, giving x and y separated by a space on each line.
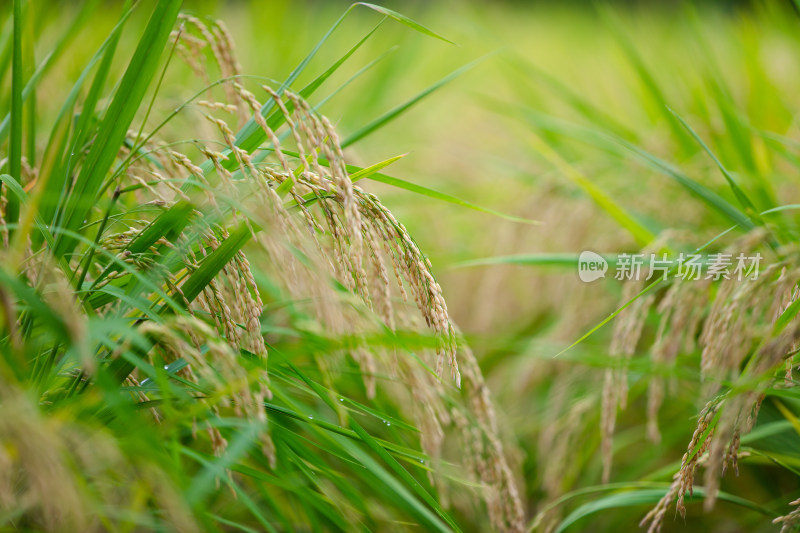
446 266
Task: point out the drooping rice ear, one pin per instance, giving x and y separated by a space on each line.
741 323
791 520
627 332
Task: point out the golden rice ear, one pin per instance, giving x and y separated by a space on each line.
34 466
217 37
683 481
791 520
681 309
39 460
627 332
740 322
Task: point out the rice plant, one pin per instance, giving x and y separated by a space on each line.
221 331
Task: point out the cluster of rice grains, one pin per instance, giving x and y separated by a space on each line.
59 471
734 323
318 227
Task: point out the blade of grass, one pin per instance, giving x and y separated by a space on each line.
215 262
421 511
15 142
402 19
60 47
630 49
397 111
6 45
619 146
790 416
736 129
355 76
168 224
251 135
118 118
309 89
444 197
744 201
642 235
21 197
528 73
373 169
382 453
413 456
377 476
204 481
29 96
647 496
559 260
371 173
57 163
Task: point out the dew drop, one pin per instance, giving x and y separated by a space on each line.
311 418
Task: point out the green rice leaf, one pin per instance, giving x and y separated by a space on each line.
17 82
402 19
638 497
309 89
118 118
215 262
58 162
402 108
617 145
430 193
737 191
557 260
371 173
